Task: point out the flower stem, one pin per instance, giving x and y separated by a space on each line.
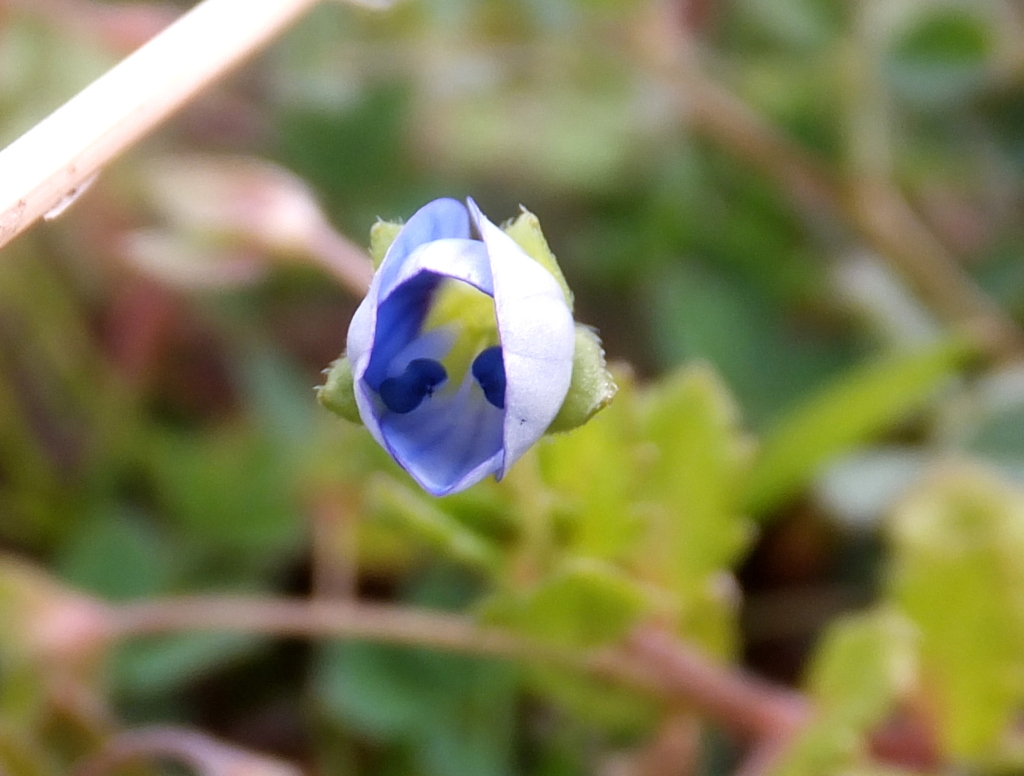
59 156
203 754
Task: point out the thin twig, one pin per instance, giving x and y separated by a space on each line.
61 154
652 662
876 210
674 749
764 757
199 752
314 619
736 701
334 518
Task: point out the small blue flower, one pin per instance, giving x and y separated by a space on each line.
462 350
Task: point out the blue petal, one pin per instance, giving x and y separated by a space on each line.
437 220
399 319
402 308
449 442
385 335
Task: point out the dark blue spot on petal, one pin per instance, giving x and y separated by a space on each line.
406 392
489 371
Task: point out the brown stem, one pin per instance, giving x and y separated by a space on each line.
674 750
651 662
313 619
763 757
342 258
876 210
735 700
193 749
334 520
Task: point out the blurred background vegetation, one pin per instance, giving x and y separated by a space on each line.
797 225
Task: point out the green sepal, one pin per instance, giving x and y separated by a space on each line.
338 392
382 234
592 387
526 231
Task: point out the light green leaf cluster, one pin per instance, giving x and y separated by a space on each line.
635 514
865 664
947 637
957 574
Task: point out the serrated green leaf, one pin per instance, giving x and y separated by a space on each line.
583 603
697 455
957 574
593 472
853 410
862 667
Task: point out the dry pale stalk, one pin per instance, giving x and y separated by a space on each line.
61 154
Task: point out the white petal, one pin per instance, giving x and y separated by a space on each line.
461 259
537 339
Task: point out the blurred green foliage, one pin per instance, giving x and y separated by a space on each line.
159 433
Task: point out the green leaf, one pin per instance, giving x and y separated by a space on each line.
457 713
382 690
957 574
862 667
594 702
698 454
338 394
117 554
423 518
852 411
593 471
231 490
942 56
160 666
382 234
583 603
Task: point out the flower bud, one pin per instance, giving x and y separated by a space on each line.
464 351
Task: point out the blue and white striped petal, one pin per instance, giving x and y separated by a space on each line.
447 430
